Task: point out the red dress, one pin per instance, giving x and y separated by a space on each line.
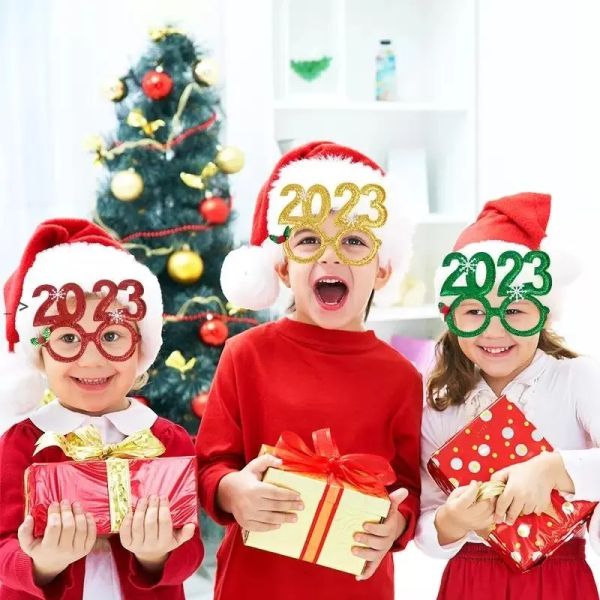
16 571
477 573
291 376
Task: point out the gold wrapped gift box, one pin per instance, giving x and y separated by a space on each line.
333 512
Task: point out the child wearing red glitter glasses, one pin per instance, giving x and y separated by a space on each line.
89 316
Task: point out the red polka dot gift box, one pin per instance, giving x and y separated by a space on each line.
499 437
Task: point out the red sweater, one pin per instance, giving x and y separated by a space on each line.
291 376
16 569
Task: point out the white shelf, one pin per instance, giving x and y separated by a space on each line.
403 313
347 105
435 113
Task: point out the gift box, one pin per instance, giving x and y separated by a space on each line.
497 438
340 494
109 488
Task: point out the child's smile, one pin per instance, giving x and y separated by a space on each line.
93 384
497 351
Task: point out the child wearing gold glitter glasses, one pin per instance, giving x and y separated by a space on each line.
328 225
83 311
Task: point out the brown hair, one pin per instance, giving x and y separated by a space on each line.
454 375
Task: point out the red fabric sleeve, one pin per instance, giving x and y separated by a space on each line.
184 560
219 444
16 567
406 464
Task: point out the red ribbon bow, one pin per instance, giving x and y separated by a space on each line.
367 472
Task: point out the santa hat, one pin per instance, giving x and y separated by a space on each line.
65 251
248 276
518 223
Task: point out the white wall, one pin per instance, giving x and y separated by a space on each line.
539 128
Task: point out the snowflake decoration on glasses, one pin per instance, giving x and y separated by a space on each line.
516 292
352 219
116 316
57 294
468 265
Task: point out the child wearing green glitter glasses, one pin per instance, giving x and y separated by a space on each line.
328 224
498 297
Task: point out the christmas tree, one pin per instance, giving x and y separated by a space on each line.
165 196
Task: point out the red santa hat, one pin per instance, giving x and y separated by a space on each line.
248 276
518 223
65 251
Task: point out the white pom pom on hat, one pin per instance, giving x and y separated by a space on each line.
248 276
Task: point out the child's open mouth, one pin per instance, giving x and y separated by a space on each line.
331 292
96 384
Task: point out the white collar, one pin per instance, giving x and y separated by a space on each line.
57 418
541 361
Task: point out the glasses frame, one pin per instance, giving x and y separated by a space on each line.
500 312
95 337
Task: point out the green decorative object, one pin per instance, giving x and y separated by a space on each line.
309 70
472 305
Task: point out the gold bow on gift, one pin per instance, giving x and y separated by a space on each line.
137 119
492 489
85 443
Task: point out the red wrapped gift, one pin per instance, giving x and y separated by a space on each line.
499 437
109 488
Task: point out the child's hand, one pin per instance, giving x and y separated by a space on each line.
70 535
258 506
462 513
528 486
148 533
380 537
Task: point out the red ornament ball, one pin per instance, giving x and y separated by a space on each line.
199 404
157 84
215 210
141 399
214 332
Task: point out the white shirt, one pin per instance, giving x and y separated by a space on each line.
562 399
101 578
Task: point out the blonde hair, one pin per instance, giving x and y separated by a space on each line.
454 375
140 381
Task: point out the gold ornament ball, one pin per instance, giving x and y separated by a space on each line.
230 159
206 71
115 90
127 186
185 266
